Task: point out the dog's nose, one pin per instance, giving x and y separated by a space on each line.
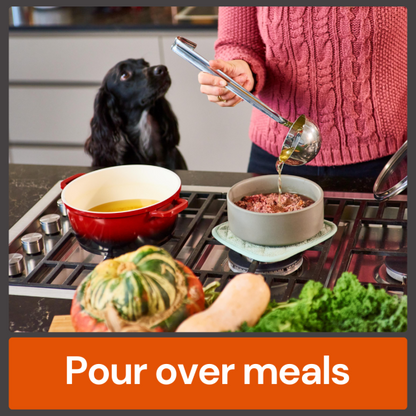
159 70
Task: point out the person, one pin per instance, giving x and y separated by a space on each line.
345 68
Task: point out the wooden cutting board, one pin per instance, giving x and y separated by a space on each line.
61 323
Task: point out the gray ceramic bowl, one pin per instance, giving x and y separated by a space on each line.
278 229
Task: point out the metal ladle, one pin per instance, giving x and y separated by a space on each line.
303 141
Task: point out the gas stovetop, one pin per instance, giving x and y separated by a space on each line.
371 242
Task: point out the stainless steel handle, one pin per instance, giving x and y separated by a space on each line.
185 49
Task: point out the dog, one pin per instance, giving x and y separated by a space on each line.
133 123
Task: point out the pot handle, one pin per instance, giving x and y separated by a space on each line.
181 205
66 181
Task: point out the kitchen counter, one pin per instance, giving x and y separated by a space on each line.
29 183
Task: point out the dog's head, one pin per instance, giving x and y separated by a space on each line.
135 84
133 122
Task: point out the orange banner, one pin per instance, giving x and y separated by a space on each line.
207 373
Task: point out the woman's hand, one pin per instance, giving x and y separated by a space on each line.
213 86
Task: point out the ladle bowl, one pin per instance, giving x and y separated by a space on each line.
303 141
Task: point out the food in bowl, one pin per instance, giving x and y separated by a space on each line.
274 202
123 205
281 229
101 231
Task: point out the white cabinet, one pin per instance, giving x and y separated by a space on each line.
50 114
54 78
49 155
75 57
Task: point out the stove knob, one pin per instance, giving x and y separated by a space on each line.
16 264
51 223
62 208
32 243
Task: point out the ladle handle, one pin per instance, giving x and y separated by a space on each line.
185 49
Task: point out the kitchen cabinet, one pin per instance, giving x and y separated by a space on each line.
54 76
75 57
50 115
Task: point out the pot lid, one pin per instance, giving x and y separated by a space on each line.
393 178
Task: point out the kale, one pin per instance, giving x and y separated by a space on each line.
349 307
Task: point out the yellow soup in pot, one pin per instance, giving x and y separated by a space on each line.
123 205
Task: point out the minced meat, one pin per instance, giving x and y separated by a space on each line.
273 202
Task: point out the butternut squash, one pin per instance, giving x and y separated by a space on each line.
244 299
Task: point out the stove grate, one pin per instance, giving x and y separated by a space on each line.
367 229
381 248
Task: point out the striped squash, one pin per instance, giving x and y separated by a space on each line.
145 290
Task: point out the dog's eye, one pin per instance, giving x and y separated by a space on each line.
125 75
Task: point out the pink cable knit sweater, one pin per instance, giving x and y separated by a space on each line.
343 67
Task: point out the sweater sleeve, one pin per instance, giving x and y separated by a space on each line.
239 38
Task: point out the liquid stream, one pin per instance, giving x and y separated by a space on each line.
284 156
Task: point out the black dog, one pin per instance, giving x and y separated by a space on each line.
133 123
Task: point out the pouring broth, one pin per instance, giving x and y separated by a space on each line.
123 205
284 156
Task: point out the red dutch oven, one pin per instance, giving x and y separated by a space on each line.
153 223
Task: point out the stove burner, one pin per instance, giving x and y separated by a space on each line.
240 264
392 270
110 252
396 267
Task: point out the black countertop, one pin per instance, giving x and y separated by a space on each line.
29 183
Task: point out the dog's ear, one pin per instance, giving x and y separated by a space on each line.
168 124
106 130
168 136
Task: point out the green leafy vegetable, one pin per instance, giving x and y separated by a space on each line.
349 307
